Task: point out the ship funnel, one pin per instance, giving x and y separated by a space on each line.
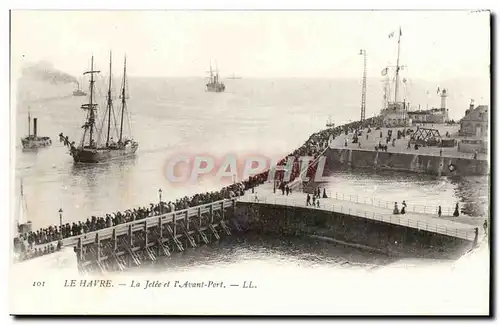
34 126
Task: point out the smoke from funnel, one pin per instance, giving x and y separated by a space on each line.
45 71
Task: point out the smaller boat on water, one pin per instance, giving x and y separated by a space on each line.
329 123
235 77
33 141
23 225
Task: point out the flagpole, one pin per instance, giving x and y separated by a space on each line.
396 90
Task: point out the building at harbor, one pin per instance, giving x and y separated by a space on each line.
475 122
433 115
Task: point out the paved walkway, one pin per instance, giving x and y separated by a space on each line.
401 144
264 194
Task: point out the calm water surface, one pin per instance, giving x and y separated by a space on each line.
170 116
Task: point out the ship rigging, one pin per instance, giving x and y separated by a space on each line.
90 149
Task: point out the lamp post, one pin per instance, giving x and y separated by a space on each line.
159 195
60 222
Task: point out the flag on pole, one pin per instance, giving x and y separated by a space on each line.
384 72
391 35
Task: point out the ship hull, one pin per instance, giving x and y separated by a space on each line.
93 156
215 88
34 143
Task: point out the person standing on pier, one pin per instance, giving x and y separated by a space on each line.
439 211
324 194
314 200
345 142
403 209
396 210
308 200
287 190
456 213
317 203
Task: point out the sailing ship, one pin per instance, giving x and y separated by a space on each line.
22 223
214 84
91 149
33 141
78 91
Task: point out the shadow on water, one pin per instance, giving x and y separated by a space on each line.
258 247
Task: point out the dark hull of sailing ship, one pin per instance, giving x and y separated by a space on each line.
95 155
33 141
89 151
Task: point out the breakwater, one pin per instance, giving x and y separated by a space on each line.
408 162
349 230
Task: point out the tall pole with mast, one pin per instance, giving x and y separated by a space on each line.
29 122
90 106
124 103
396 89
110 102
363 91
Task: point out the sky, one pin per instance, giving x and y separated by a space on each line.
435 45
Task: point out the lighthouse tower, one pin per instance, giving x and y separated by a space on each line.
444 94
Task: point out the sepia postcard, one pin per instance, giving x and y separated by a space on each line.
209 162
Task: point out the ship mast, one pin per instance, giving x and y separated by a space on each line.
90 123
396 89
110 102
123 97
29 122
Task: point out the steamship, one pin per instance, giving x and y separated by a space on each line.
33 141
214 84
78 91
92 148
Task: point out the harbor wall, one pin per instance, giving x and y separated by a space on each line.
408 162
373 235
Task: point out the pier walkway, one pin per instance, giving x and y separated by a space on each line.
368 144
462 228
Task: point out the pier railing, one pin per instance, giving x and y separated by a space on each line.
402 220
416 208
144 222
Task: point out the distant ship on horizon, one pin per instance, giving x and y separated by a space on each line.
233 76
214 84
78 91
91 150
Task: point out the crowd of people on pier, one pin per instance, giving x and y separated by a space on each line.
48 239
